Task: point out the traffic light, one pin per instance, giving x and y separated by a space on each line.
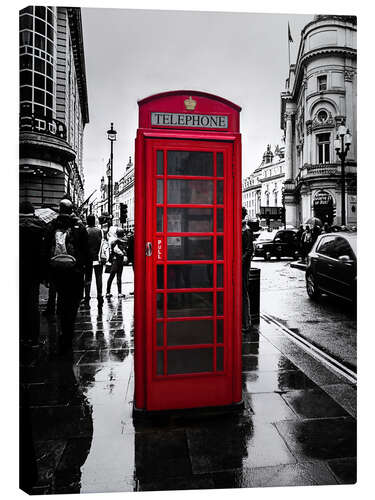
123 212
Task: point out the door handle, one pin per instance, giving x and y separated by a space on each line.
148 249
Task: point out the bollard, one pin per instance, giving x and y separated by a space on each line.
253 288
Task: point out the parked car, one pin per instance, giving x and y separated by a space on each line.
332 266
281 243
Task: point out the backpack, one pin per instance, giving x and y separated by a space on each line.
63 258
104 250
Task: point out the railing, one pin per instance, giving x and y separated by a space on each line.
42 125
319 169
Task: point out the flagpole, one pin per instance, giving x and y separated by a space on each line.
288 46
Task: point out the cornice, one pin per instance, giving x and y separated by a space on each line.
45 144
316 53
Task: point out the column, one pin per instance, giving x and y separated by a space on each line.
288 147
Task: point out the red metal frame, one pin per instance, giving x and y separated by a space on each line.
216 388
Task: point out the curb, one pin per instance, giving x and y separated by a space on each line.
298 265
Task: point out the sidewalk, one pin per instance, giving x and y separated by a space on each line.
298 426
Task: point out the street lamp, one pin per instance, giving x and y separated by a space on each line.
111 133
342 146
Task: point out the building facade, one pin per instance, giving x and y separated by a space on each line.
124 193
320 95
53 105
262 191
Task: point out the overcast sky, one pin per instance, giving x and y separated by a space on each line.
131 54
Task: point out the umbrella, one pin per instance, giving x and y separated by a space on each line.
314 221
46 214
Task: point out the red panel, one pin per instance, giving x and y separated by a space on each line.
174 102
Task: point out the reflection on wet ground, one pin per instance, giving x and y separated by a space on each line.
297 427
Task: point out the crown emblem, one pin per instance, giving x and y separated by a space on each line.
190 103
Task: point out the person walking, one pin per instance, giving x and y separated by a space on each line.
326 228
130 252
306 242
67 249
316 230
32 232
299 234
118 257
247 251
94 263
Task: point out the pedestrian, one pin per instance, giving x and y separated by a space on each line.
32 233
130 253
95 262
118 258
299 234
326 228
67 249
247 251
306 242
316 230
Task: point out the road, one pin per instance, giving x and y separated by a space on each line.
328 323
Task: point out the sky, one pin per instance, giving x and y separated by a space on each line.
131 54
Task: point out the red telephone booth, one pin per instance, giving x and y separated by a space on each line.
188 297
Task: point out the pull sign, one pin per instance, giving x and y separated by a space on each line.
159 248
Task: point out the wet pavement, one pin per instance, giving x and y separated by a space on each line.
297 427
328 323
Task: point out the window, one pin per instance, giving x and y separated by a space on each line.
335 246
323 143
322 83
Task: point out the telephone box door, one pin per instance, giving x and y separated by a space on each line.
189 259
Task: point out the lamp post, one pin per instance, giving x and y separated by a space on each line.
111 133
342 146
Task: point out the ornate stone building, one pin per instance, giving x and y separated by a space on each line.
124 193
262 190
320 95
53 105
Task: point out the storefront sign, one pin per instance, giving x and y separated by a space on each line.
322 198
188 120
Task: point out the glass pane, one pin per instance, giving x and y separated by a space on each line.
160 362
220 331
190 220
190 332
160 162
159 219
220 304
190 163
220 192
190 247
190 304
160 277
190 276
220 359
220 220
159 305
219 165
160 333
189 361
219 247
190 191
219 277
160 191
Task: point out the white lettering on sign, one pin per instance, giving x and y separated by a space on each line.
188 120
160 249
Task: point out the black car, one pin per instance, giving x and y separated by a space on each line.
281 243
332 266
